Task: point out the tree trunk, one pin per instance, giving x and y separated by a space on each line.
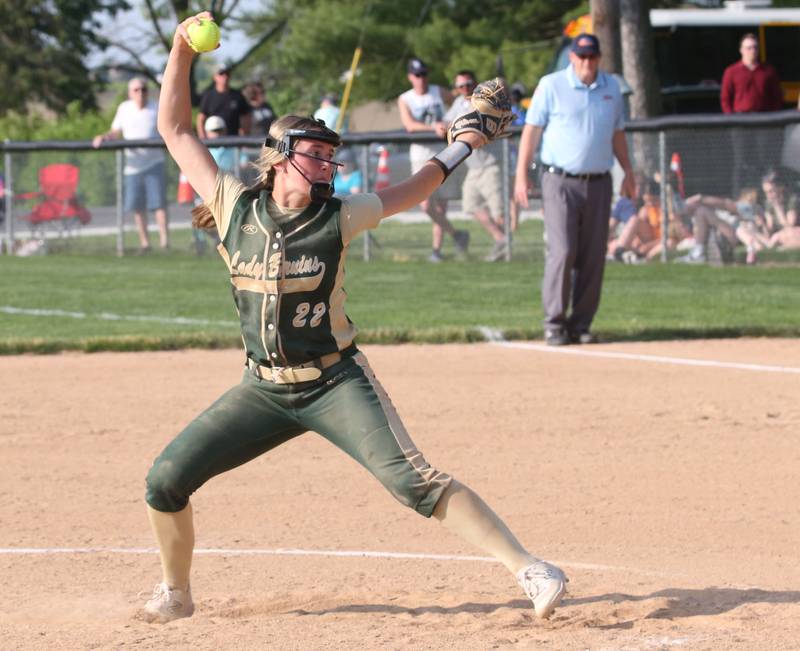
638 64
605 23
638 58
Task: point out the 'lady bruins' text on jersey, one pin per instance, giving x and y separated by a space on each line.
287 281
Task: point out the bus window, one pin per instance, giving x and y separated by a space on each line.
690 63
782 50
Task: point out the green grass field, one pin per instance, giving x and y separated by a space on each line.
102 302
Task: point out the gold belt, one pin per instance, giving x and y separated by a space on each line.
292 374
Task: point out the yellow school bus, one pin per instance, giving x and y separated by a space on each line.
694 46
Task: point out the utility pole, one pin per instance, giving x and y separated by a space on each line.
605 23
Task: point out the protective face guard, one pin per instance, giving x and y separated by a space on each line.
319 191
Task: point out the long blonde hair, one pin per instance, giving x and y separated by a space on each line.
265 165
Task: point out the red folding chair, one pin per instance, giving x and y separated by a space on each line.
58 185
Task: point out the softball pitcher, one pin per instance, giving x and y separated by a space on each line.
284 242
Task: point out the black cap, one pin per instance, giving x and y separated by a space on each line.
417 67
586 44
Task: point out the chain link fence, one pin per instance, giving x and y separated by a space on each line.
722 156
717 155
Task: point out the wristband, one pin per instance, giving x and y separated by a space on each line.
451 157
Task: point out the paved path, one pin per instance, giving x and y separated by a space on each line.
104 220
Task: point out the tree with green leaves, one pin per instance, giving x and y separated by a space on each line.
157 25
43 49
313 54
301 48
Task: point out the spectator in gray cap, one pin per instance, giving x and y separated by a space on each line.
422 109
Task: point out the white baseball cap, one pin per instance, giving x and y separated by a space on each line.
215 123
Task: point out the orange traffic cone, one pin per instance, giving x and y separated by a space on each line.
675 166
382 178
185 190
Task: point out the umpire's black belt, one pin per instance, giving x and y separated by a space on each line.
585 177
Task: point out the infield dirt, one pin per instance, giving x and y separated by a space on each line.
668 493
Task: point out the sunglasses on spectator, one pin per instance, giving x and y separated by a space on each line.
469 84
420 74
139 89
585 57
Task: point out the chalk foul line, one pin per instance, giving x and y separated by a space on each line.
333 553
109 316
657 359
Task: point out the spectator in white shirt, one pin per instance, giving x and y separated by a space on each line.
144 186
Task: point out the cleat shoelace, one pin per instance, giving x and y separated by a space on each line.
534 575
162 593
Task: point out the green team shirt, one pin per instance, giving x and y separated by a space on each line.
287 269
789 203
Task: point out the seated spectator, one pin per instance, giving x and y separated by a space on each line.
732 221
780 214
641 236
624 209
786 238
780 205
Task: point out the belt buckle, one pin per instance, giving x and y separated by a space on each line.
277 374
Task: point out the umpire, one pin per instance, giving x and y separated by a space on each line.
577 115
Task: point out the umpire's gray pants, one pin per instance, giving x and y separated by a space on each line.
576 213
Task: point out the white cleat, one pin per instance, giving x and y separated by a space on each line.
545 585
167 604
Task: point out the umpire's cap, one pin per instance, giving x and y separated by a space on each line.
586 45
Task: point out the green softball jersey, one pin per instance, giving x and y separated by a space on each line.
287 269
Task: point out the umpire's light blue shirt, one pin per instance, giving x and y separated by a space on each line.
578 120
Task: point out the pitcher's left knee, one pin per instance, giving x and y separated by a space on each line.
417 487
